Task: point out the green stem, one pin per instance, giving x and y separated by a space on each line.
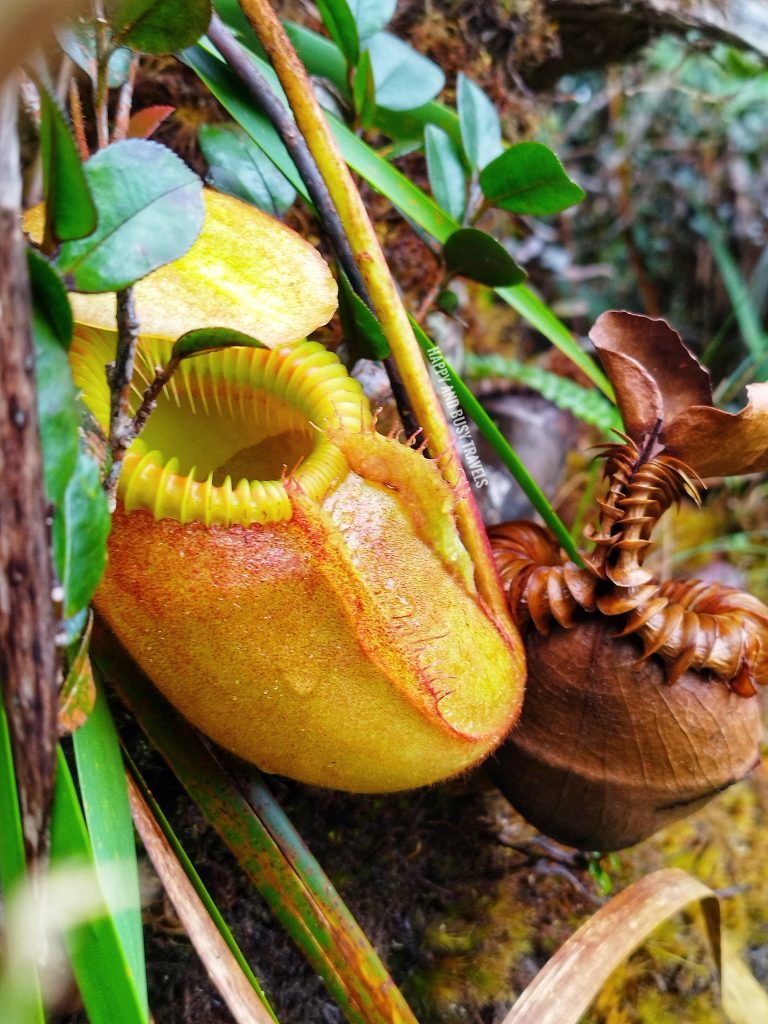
382 289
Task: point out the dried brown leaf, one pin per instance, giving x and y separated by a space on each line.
653 373
223 970
78 694
718 443
563 990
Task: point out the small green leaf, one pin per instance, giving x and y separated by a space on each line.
338 19
238 166
99 961
364 90
159 26
446 171
56 392
78 41
480 125
371 15
474 254
404 79
104 793
211 339
528 178
69 209
78 692
150 212
80 530
448 301
362 331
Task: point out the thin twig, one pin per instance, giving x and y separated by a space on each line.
264 95
78 124
124 101
101 97
151 394
119 377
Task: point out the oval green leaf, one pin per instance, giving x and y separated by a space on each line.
159 26
474 254
404 79
69 209
211 339
239 167
338 19
371 15
150 212
446 171
479 121
528 178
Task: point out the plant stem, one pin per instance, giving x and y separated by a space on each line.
124 100
28 669
101 97
261 91
119 376
385 299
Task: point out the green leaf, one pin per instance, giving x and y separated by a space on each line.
78 41
159 26
229 91
528 178
364 90
476 255
150 212
80 530
588 405
404 79
238 166
447 178
211 339
362 331
108 815
480 125
371 15
69 209
500 445
98 959
338 19
56 392
448 301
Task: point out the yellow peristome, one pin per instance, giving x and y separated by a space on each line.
246 271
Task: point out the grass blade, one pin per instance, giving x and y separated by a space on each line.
223 969
501 446
20 997
564 988
334 945
108 814
98 958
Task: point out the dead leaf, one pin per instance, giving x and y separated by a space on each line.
78 694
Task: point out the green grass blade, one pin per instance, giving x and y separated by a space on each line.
110 827
98 959
503 449
19 997
344 958
744 308
197 883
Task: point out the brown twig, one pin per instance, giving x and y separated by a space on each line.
119 377
101 95
78 124
27 628
124 101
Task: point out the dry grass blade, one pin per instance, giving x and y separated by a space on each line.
223 970
745 1001
563 990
